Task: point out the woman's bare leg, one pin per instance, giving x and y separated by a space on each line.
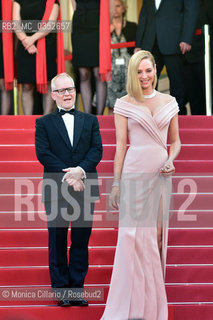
6 100
27 98
160 227
48 102
86 89
101 92
159 235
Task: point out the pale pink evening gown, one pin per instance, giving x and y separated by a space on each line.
137 289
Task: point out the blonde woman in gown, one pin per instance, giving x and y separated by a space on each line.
141 189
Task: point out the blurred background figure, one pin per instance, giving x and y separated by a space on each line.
85 46
194 67
166 28
36 52
6 59
208 4
121 31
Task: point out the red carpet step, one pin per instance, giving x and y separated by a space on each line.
102 237
100 256
17 203
106 167
37 220
106 122
27 153
56 313
10 184
198 274
27 136
180 293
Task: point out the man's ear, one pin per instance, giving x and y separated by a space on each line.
53 95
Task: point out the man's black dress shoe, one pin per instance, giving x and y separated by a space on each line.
64 303
79 303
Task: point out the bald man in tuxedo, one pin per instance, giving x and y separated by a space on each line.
166 28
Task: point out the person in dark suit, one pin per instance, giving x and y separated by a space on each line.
68 145
208 4
194 67
166 29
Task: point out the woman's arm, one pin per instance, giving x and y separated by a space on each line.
21 35
175 146
17 19
30 40
111 9
121 142
73 4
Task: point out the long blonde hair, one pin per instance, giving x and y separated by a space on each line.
133 86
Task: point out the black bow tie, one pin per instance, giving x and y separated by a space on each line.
62 112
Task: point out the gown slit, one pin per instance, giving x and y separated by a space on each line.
160 226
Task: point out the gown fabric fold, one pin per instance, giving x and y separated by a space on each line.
137 289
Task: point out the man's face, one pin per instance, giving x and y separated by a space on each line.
65 100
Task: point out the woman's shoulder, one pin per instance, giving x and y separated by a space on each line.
125 102
122 106
169 102
165 97
130 24
126 98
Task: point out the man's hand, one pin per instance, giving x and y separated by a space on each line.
77 185
73 177
75 173
185 47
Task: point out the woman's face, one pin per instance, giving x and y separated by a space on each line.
119 9
146 74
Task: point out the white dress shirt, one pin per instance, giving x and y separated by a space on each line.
157 4
69 124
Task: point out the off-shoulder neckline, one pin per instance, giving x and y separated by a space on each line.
149 113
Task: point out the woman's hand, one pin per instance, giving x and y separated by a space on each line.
28 41
137 49
168 168
32 49
114 198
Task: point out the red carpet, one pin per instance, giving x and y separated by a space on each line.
23 234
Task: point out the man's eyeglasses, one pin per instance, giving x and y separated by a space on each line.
61 92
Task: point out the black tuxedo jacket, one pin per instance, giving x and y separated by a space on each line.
54 150
172 23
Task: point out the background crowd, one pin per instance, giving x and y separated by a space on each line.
172 30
